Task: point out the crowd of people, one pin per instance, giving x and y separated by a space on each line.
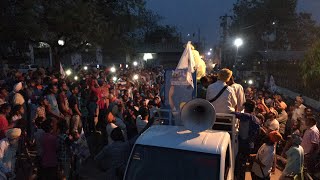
53 115
269 128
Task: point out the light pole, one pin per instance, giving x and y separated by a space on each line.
237 42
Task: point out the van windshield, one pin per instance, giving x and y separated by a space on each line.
158 163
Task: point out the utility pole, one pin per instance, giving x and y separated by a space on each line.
224 26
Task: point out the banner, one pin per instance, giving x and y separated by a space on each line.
62 72
185 68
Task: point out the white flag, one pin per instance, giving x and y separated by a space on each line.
62 72
185 68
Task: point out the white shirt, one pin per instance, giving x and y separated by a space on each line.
141 123
241 98
265 155
227 102
273 125
311 136
294 161
298 112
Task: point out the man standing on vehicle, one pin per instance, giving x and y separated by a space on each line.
222 96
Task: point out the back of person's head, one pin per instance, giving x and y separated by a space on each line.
46 126
249 106
5 107
116 134
311 121
225 75
204 80
144 112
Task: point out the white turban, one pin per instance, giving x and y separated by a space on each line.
13 133
17 87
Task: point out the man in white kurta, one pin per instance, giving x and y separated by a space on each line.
227 102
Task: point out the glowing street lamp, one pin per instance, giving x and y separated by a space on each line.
210 49
136 77
127 65
68 72
76 78
237 42
135 63
250 82
209 53
85 68
114 79
113 69
61 42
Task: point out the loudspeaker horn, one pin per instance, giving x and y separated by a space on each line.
198 115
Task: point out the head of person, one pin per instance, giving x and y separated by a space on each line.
63 86
298 101
274 137
311 121
270 116
53 89
308 112
205 81
74 89
3 93
18 110
13 136
5 109
296 139
249 106
225 75
46 126
296 125
144 112
125 98
117 135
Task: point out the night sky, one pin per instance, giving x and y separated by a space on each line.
189 15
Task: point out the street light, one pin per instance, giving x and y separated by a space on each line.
136 77
114 79
127 65
209 53
68 72
113 69
85 68
61 42
210 49
237 42
250 82
135 63
76 78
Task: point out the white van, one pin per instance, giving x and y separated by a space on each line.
175 152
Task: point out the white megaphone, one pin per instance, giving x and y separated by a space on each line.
198 115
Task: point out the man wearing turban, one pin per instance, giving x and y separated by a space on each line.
8 150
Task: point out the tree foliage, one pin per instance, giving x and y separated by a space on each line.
310 67
272 24
109 24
